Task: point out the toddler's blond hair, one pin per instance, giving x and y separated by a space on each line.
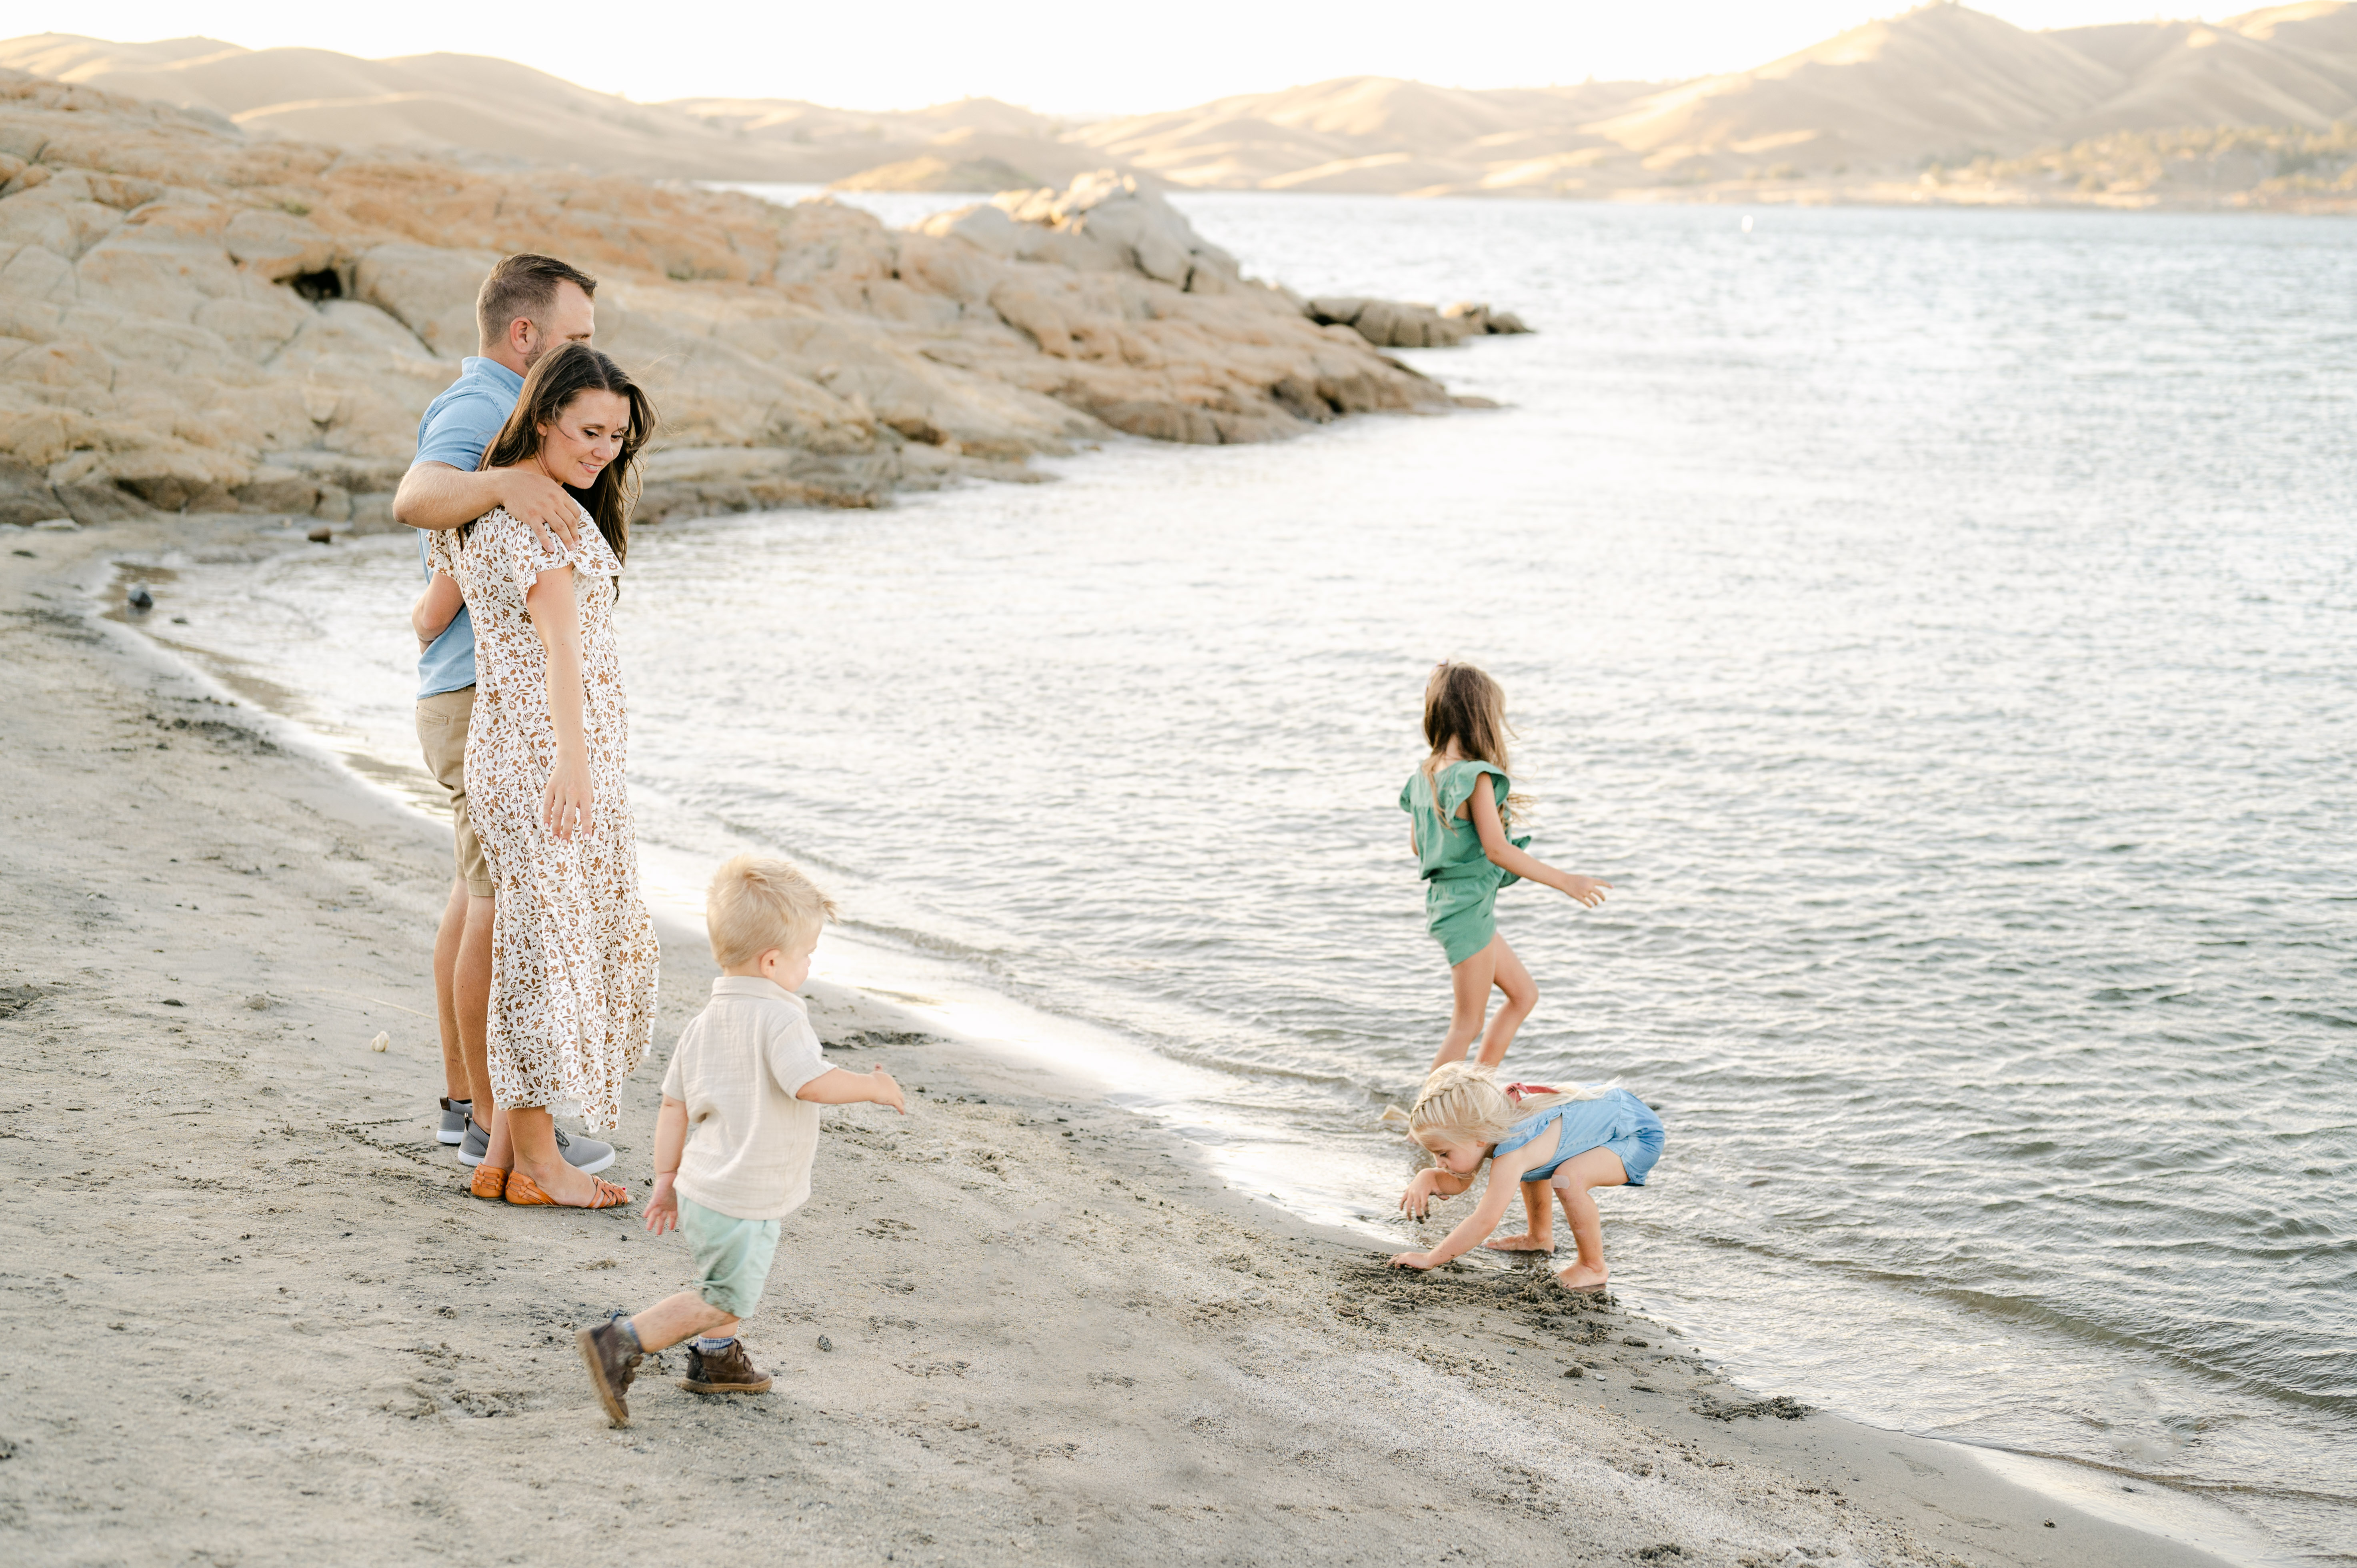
757 902
1462 1102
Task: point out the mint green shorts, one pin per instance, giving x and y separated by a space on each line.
732 1256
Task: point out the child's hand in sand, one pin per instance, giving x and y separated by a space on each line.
1417 1201
663 1208
1413 1260
888 1089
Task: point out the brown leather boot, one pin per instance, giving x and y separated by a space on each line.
729 1371
611 1353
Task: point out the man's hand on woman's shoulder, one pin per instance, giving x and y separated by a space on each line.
435 496
541 504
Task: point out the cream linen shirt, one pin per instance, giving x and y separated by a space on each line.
737 1068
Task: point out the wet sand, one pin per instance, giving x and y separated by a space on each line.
258 1320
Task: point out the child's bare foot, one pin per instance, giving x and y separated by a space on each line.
1524 1243
1582 1277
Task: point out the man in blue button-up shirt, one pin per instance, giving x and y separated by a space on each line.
528 306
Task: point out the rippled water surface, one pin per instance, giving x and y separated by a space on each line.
1938 625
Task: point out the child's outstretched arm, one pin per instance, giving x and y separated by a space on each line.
1505 1176
836 1087
1529 867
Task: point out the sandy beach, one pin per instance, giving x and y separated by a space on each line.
259 1320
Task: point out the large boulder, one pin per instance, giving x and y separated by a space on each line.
1398 324
189 320
427 289
1136 225
1485 321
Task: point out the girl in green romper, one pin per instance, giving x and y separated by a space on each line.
1460 805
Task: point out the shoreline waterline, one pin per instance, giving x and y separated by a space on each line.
1926 621
1249 1156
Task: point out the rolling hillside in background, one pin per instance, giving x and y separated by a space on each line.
495 112
1942 102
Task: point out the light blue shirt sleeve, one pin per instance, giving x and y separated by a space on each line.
459 428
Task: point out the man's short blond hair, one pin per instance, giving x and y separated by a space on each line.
757 902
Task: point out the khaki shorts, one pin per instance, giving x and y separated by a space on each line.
442 732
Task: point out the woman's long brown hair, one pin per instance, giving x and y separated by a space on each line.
563 374
1462 704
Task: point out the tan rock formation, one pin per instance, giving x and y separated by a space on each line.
192 320
1397 323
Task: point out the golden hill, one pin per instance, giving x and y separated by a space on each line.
495 112
485 110
1889 110
1940 84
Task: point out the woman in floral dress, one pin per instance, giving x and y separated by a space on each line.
572 947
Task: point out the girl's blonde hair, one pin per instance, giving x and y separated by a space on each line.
1464 705
757 902
1463 1103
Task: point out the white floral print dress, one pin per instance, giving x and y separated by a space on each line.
574 961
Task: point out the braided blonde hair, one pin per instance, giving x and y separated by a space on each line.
1463 1103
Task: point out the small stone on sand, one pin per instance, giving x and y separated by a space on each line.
381 1041
824 1343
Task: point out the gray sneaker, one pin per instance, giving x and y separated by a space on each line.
454 1119
586 1155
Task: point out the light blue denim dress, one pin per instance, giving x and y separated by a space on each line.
1619 1122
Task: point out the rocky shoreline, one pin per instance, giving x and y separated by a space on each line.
191 322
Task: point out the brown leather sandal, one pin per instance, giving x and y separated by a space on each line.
489 1181
522 1191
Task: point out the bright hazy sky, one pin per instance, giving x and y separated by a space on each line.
1077 56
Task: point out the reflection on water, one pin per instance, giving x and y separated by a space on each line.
1936 624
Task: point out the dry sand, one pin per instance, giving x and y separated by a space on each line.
255 1319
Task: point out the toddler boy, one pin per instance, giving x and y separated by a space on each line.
737 1134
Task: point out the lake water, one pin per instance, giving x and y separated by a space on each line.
1938 625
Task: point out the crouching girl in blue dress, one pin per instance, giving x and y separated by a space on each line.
1571 1140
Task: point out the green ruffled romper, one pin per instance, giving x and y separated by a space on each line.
1461 885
